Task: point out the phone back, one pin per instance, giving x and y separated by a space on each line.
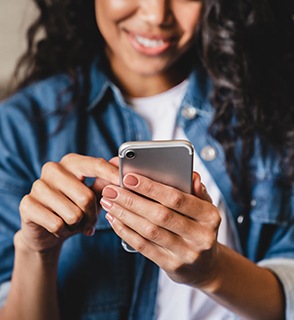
167 161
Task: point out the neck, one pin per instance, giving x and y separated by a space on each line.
140 85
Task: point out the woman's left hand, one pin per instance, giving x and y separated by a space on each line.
176 230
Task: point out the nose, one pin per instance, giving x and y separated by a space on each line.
157 12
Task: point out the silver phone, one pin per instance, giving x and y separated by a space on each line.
166 161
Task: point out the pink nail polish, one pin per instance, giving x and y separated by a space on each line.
91 232
131 180
106 204
109 193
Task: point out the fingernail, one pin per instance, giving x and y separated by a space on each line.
90 232
106 204
109 217
109 193
130 180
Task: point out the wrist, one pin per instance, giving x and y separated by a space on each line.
48 256
211 283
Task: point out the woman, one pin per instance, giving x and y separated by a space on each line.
153 69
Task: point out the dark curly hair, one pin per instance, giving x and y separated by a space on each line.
246 47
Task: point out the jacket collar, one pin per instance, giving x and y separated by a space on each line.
197 94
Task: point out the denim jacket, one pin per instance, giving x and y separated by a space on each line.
97 279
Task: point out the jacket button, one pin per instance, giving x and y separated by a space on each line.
240 219
208 153
189 113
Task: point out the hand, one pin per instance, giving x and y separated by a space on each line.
176 230
60 204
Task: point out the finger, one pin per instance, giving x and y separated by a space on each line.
98 186
57 202
170 257
139 225
114 161
56 177
149 231
85 166
199 188
181 202
100 183
63 207
32 211
156 213
149 249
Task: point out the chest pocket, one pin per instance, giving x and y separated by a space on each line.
272 202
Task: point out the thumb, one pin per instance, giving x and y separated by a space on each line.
199 188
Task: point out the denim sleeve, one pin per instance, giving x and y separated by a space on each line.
284 270
16 177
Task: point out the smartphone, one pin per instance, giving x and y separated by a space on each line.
167 161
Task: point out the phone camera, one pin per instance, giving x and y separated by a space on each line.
130 154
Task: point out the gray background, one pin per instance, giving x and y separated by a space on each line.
15 16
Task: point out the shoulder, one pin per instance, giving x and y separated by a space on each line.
42 95
54 91
27 117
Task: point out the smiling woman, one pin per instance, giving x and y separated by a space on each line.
147 40
215 72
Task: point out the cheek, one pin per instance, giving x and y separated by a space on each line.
114 10
111 13
188 20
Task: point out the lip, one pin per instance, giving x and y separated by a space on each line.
151 45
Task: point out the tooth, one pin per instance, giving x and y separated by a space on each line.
151 43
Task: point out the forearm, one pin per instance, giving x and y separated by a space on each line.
248 290
33 293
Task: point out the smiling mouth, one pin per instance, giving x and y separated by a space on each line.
149 43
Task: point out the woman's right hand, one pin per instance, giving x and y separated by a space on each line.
60 204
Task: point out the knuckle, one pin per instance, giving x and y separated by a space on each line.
129 202
119 230
148 187
38 186
214 218
152 232
99 163
68 158
162 216
56 226
25 203
49 168
76 217
100 160
141 246
208 241
176 199
121 214
191 256
86 198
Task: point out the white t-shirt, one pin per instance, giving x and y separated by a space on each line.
177 301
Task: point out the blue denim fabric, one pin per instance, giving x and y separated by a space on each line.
97 278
